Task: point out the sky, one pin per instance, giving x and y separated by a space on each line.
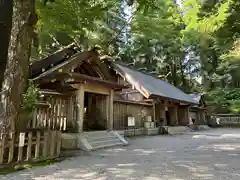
179 2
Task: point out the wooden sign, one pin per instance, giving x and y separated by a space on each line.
21 139
131 121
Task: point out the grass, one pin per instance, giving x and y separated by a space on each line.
14 168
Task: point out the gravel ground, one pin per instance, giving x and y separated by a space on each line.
209 155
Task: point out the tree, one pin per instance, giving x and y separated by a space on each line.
17 70
6 10
212 32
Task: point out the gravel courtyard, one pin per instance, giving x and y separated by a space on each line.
213 154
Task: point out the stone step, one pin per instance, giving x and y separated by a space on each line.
105 142
174 130
100 139
107 145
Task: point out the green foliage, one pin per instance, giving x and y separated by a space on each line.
224 100
30 97
179 45
87 23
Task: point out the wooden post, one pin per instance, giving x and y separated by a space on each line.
80 106
45 144
59 135
187 115
202 116
52 142
163 115
176 115
29 146
107 111
3 137
20 147
11 146
154 112
34 118
173 115
109 108
37 145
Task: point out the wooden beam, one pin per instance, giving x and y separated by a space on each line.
95 88
80 107
103 68
89 69
91 79
132 102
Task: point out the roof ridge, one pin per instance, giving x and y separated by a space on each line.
133 68
148 74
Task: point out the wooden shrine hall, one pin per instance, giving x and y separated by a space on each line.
93 97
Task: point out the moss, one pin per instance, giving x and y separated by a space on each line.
15 168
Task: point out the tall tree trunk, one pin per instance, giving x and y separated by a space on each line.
17 71
184 84
174 74
6 12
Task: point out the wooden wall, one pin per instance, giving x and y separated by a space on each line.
60 114
122 109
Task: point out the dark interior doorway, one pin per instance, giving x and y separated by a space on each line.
167 117
95 112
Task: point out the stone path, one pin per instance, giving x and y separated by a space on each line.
210 155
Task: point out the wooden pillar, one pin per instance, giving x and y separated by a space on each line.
173 115
163 115
198 117
181 115
109 109
176 115
80 107
154 111
187 116
202 117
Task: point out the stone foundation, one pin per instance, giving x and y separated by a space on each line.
151 131
69 140
134 132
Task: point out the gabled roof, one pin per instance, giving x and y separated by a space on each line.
196 96
69 66
150 86
52 60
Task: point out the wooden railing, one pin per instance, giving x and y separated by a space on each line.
29 146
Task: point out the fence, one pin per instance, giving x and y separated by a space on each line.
123 108
29 146
56 113
228 120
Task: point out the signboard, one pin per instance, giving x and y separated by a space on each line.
218 120
190 121
166 108
21 139
131 121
